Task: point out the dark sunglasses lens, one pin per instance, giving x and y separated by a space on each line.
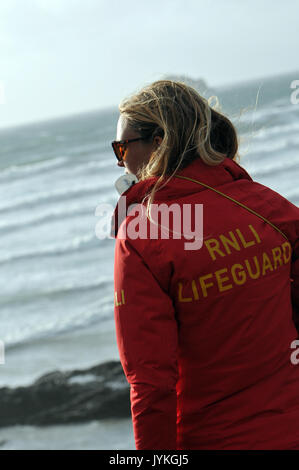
121 149
116 151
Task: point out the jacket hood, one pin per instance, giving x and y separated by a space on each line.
214 176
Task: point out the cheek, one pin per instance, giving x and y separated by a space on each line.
129 160
132 157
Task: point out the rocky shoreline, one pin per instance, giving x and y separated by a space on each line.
74 396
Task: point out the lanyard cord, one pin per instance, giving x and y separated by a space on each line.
237 202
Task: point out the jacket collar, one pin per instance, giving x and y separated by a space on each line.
227 171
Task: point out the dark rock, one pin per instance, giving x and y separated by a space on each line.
198 83
73 396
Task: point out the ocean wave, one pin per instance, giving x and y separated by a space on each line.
93 165
264 132
37 334
278 108
32 168
88 241
58 291
269 146
51 214
57 194
280 168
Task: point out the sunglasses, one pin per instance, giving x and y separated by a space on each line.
120 147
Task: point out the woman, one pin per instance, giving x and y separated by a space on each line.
205 333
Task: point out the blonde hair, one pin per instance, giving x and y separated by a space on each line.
189 126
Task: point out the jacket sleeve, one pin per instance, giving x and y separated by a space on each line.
289 214
147 337
285 215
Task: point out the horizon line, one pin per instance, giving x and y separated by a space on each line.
114 106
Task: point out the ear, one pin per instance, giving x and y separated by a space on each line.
157 141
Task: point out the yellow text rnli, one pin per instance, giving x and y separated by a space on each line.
236 274
222 247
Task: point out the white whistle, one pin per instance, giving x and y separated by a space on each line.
124 182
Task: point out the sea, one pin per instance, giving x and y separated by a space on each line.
56 275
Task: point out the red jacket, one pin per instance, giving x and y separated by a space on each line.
204 336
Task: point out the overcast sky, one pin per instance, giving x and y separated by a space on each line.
60 57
